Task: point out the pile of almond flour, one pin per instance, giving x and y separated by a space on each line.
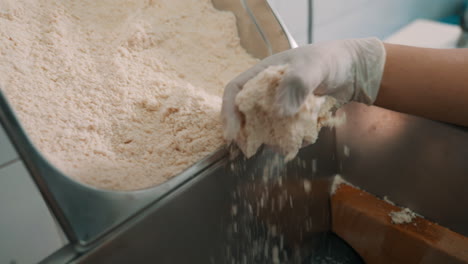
119 94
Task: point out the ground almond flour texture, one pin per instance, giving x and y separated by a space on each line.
263 125
119 94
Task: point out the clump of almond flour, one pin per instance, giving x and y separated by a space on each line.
263 125
120 94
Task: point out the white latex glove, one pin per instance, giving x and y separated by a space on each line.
348 70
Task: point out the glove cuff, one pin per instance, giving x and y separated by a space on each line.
370 62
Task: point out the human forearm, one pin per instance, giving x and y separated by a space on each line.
432 83
426 82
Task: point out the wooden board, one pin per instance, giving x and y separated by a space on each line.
363 221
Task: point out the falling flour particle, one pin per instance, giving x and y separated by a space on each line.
120 94
275 255
346 151
234 210
307 186
263 124
405 216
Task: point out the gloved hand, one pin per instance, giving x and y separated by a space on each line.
348 70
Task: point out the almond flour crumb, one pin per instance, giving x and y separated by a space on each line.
119 94
405 216
337 182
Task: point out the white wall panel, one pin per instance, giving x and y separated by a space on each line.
294 14
336 19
